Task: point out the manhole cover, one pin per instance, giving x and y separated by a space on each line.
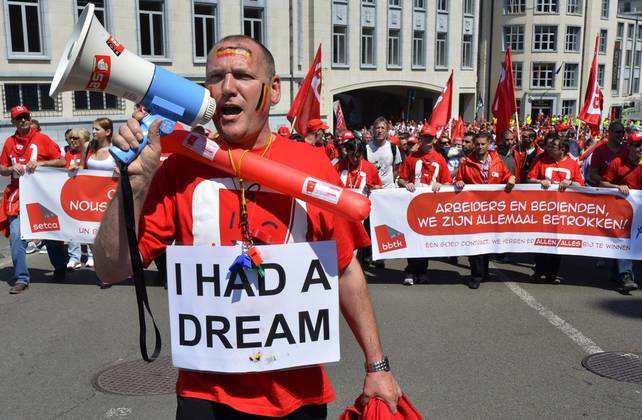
138 378
623 367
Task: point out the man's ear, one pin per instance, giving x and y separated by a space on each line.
275 90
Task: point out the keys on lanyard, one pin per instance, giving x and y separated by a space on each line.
250 256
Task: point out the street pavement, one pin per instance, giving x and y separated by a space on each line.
511 349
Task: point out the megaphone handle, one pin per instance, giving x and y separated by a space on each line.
128 156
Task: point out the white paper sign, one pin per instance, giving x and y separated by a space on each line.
242 323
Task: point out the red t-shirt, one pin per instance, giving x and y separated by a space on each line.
548 168
35 146
472 171
75 157
194 204
360 177
331 151
426 169
621 171
602 157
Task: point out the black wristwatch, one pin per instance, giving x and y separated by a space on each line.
380 366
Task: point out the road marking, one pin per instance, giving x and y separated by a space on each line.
585 343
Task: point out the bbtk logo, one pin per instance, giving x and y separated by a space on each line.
41 218
389 239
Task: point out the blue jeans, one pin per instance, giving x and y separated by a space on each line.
55 249
74 251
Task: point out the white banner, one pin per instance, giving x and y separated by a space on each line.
243 323
484 219
55 205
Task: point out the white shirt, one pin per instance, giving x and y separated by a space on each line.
381 157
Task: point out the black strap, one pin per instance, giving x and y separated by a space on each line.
138 274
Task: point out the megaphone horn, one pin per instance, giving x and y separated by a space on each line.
93 60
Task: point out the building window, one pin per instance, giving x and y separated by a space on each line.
639 33
253 23
543 75
469 7
339 50
602 42
367 47
615 75
546 6
570 75
467 51
604 11
99 9
394 48
514 38
600 74
441 49
572 41
514 7
151 18
418 49
420 4
394 3
545 38
34 95
568 106
620 29
442 6
204 29
574 7
517 74
25 31
84 100
629 31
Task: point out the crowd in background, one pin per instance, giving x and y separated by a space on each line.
386 154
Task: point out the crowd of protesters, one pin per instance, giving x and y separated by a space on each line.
546 151
403 154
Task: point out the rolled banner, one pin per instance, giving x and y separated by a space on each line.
344 202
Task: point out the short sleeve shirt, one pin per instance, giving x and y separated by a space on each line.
426 169
381 157
193 204
548 168
622 171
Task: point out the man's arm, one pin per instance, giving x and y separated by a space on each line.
356 308
111 248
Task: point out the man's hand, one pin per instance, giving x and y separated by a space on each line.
510 184
410 186
31 166
623 189
545 183
564 185
18 169
128 137
381 385
459 185
436 186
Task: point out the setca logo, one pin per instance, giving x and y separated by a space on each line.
41 218
85 197
389 239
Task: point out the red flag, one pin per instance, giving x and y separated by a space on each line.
441 112
591 112
459 128
338 112
306 105
504 106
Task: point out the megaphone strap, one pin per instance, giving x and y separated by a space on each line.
138 274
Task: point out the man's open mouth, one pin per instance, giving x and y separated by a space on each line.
230 109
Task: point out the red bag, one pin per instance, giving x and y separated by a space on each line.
377 409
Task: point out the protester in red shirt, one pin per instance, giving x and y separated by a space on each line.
554 167
425 167
482 167
625 173
22 153
525 154
605 152
191 203
355 172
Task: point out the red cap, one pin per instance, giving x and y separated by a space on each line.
19 110
316 124
346 136
428 131
562 127
412 140
635 137
394 140
283 131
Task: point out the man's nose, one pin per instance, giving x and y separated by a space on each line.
229 84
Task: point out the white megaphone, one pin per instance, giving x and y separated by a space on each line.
94 60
